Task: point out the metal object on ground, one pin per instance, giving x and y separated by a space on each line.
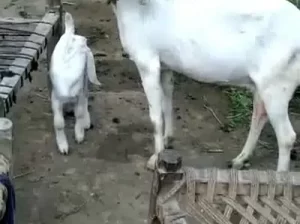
212 196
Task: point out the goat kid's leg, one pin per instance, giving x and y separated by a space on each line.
276 99
59 125
167 105
149 70
259 119
82 116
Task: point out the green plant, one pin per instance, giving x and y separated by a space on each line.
240 104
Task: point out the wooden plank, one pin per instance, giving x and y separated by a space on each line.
18 20
245 176
202 176
13 44
171 213
42 35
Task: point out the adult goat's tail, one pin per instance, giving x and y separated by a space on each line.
69 23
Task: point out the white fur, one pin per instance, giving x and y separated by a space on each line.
72 64
253 44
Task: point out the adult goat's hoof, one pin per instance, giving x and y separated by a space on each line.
238 165
151 162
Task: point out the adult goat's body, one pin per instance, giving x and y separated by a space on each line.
253 44
72 64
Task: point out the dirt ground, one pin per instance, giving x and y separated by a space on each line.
104 179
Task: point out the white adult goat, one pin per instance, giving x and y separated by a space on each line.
72 64
253 44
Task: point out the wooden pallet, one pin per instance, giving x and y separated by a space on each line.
210 196
22 42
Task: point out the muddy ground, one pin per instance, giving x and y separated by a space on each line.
104 180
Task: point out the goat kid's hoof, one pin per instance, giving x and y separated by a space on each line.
64 150
79 139
238 166
151 162
89 127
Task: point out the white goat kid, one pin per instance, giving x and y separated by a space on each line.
253 44
72 64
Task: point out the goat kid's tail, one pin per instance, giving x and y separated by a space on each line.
91 69
69 23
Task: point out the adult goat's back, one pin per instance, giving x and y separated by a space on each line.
254 44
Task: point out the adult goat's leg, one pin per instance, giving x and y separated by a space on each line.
59 124
168 86
149 70
259 119
276 99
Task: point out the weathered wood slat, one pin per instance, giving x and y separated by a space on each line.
244 176
244 179
13 20
206 194
32 48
